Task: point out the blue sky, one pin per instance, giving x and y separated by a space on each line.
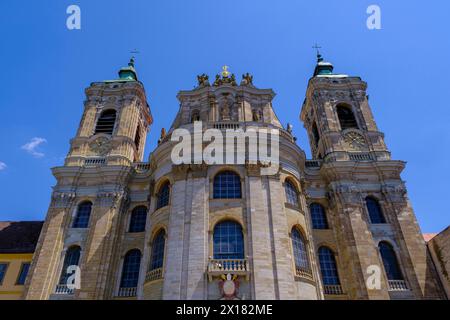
46 67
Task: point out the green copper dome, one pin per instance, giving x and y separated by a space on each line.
128 73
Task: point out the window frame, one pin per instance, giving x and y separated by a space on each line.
233 191
396 261
346 124
302 238
6 264
76 217
378 207
323 217
289 187
239 253
336 266
121 280
61 274
100 118
158 195
20 273
161 232
134 212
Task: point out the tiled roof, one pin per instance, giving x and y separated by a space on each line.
19 236
428 236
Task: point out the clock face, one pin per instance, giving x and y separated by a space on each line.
101 145
355 140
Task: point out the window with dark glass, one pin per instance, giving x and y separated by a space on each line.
318 216
390 262
138 219
195 116
315 134
346 117
374 209
328 267
227 185
72 258
130 269
300 253
3 268
163 195
291 193
23 273
137 137
228 241
82 216
105 123
158 245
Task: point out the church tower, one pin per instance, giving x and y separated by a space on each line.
338 118
358 202
85 218
114 124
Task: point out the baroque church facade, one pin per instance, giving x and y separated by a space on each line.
337 226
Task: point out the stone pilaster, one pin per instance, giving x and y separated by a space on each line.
98 253
198 237
174 255
263 275
356 248
46 258
418 267
280 236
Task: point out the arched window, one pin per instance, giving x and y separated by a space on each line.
137 137
318 216
158 244
346 117
390 262
328 267
130 269
227 185
195 116
374 209
105 123
291 193
163 195
228 241
315 134
300 253
83 213
72 258
138 219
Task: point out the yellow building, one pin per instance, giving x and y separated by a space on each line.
17 243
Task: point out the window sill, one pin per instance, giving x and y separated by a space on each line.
293 207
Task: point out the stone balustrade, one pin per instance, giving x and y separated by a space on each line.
154 274
303 273
94 162
333 289
63 289
397 285
127 292
217 267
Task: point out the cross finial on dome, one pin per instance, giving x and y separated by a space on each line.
319 56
